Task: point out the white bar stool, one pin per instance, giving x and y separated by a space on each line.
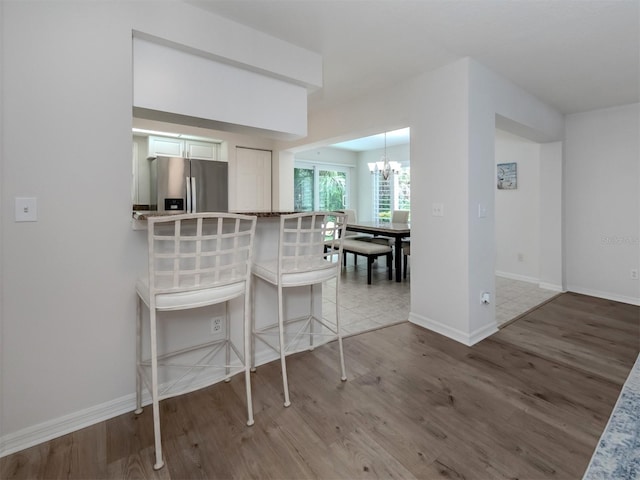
195 260
309 254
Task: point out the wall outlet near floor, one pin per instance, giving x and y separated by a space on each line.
521 257
634 274
216 325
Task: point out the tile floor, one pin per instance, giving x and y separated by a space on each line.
514 297
368 307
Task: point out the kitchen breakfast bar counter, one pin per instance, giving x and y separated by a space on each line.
264 301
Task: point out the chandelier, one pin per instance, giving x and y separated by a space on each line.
384 166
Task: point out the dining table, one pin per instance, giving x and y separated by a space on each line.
398 231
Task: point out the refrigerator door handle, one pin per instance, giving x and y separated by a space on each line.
193 195
188 182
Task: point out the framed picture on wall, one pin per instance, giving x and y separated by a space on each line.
507 176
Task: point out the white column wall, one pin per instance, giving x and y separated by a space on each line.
492 96
550 275
68 301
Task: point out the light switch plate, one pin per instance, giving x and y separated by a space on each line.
26 209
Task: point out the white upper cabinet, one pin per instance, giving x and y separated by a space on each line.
166 146
178 147
201 150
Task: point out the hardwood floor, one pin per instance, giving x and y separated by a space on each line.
528 403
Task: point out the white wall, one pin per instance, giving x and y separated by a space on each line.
602 199
68 301
517 212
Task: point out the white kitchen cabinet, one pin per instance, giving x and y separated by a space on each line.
178 147
201 150
253 180
166 146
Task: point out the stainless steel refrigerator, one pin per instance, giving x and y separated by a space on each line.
183 185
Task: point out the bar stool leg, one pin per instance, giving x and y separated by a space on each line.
342 367
285 381
154 390
248 358
138 409
227 332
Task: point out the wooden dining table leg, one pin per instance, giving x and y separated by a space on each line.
398 260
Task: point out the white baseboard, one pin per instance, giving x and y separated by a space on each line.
466 338
36 434
605 295
30 436
523 278
515 276
551 286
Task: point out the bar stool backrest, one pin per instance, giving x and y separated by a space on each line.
199 251
310 241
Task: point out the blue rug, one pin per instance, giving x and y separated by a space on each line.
617 456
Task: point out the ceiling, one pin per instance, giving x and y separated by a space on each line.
575 55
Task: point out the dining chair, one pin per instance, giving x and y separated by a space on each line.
309 255
195 261
352 217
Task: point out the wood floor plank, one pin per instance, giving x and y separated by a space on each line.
530 402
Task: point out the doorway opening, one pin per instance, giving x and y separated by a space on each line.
528 245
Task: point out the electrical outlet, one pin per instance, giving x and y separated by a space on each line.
634 274
216 325
26 209
521 257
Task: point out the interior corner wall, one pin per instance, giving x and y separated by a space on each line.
602 203
517 211
551 267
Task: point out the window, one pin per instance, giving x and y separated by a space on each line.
391 194
320 187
